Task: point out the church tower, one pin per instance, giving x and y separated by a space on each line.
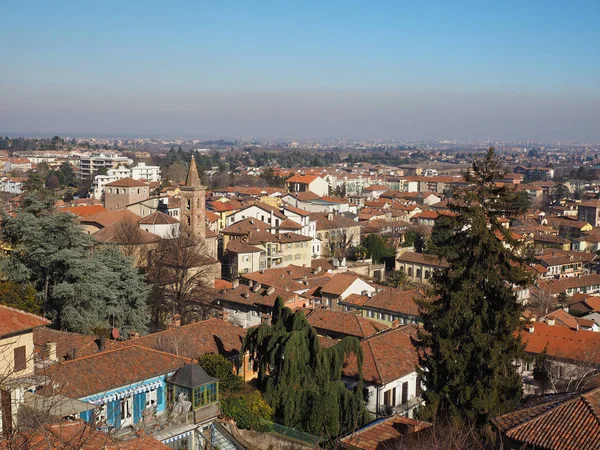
193 198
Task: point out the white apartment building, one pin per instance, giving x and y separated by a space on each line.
89 165
139 172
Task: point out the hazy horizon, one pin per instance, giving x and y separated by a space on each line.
388 70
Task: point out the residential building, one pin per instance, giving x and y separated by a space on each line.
535 173
388 306
118 194
16 362
12 185
572 356
342 285
90 164
589 212
242 258
248 306
419 266
335 230
160 224
391 383
311 183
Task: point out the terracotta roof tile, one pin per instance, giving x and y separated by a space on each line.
85 344
343 323
127 182
382 434
568 421
111 369
422 258
13 320
387 356
158 218
197 339
339 283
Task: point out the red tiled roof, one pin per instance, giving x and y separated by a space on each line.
85 344
387 356
127 182
76 435
347 323
197 339
422 258
569 421
111 369
245 295
158 218
13 321
561 285
289 224
118 234
382 434
222 284
106 218
339 283
84 210
240 246
395 300
245 226
302 179
563 342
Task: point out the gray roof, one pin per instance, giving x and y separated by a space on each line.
191 376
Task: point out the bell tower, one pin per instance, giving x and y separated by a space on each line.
193 198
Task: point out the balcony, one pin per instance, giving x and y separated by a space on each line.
206 412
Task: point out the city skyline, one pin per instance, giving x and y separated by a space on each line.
508 71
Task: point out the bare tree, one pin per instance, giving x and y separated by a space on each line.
562 375
182 274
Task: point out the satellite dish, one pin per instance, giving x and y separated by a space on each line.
114 333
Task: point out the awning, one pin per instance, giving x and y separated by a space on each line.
178 437
127 393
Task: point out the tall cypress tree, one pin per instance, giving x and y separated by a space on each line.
468 347
301 380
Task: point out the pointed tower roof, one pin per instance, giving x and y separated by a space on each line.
193 179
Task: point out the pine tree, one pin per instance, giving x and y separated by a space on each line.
468 347
301 380
80 290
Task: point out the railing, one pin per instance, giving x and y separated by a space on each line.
207 412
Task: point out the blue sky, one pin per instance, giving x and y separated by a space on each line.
303 68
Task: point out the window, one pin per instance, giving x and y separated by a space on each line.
405 392
389 397
20 359
246 258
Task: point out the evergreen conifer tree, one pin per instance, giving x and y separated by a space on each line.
301 380
468 348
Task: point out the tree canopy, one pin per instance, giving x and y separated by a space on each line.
80 289
301 380
468 347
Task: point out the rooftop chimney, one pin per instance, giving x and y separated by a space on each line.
531 328
101 343
256 287
51 351
235 283
270 290
551 321
74 353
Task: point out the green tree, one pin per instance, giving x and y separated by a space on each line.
34 183
377 248
80 289
218 366
468 347
239 401
20 296
301 380
67 175
397 279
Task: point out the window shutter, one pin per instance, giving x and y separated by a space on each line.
20 359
